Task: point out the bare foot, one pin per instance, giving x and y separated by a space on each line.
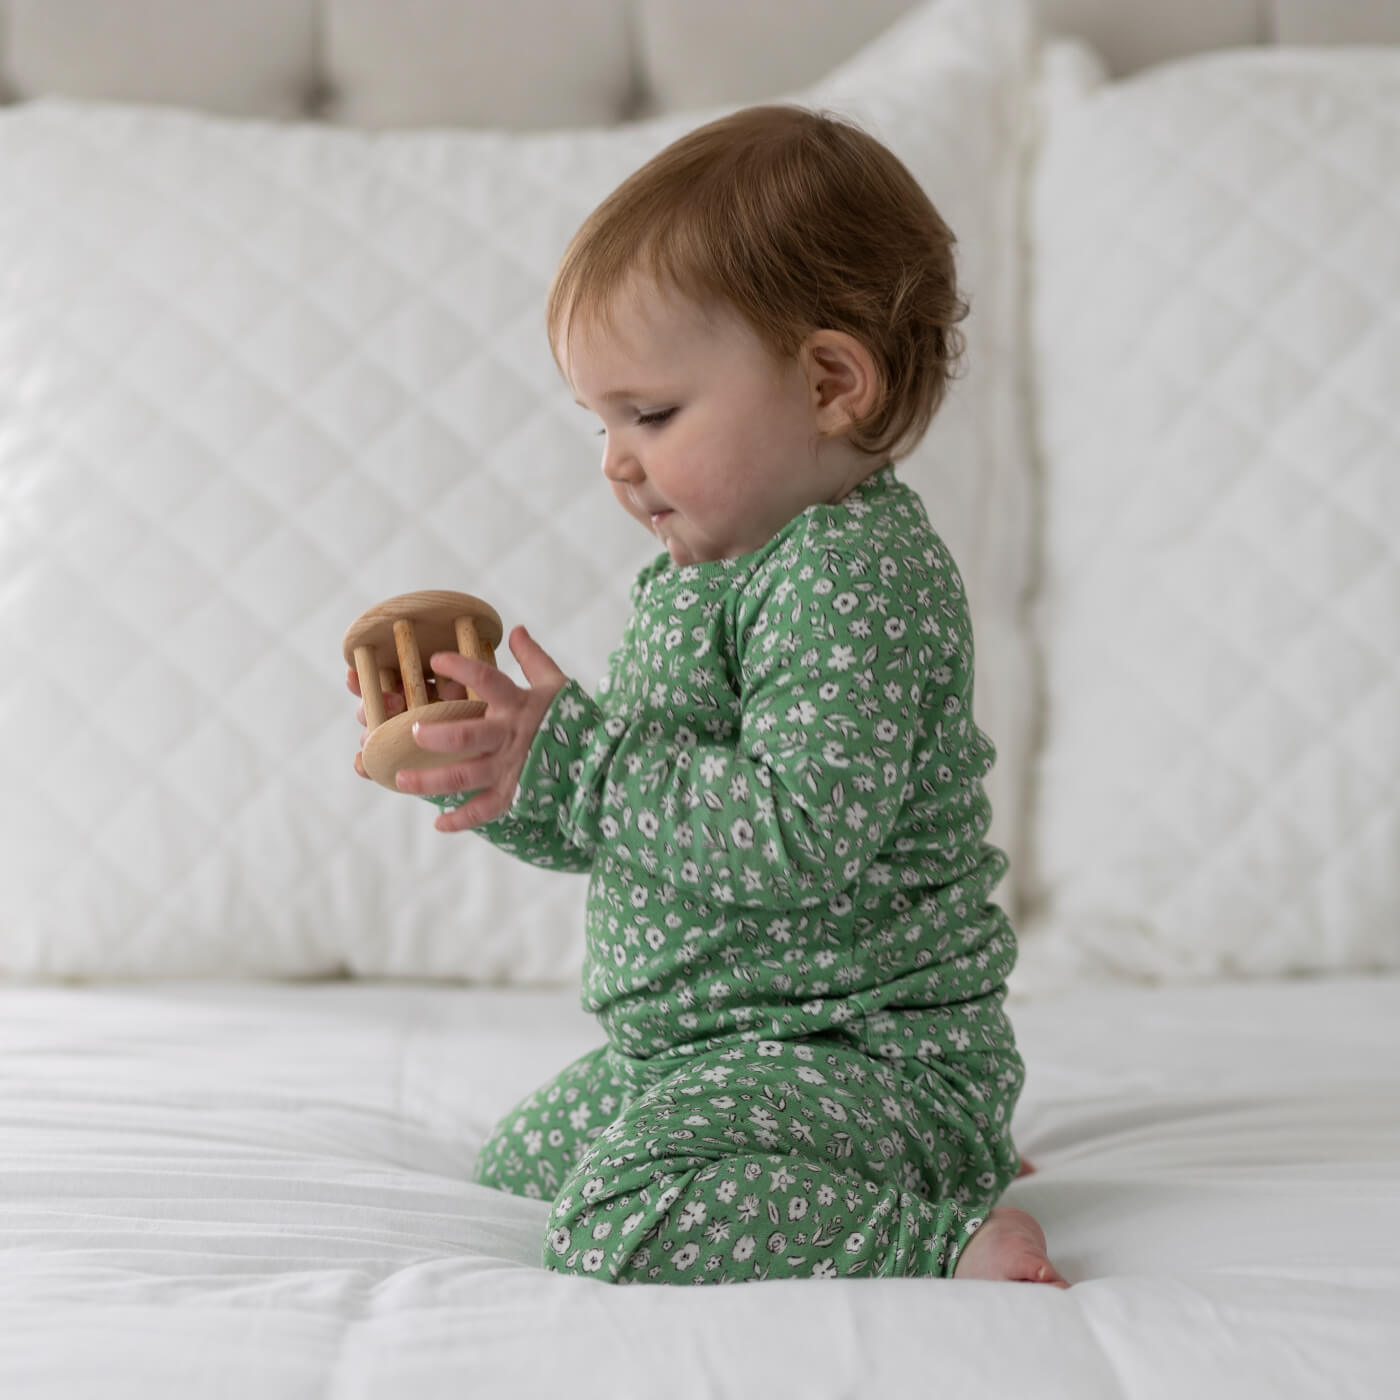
1009 1245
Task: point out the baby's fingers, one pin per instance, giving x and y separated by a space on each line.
479 808
471 738
463 775
539 667
394 702
480 677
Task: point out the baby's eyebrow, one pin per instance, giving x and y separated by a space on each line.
618 395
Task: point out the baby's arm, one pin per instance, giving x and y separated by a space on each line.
835 686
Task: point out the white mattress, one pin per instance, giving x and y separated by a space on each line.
260 1190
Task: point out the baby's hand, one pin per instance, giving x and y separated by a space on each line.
394 704
496 743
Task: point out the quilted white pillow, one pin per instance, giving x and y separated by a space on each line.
1217 372
254 378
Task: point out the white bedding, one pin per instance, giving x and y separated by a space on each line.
260 1190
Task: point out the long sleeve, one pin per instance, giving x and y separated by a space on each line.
540 843
536 842
788 805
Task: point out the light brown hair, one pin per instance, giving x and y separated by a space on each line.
802 222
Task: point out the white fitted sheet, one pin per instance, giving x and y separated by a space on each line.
260 1190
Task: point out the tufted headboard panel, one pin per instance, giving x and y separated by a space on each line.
548 63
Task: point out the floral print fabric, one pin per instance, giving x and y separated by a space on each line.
778 794
775 1159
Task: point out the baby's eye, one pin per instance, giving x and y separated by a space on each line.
645 420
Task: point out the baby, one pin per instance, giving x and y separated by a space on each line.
778 791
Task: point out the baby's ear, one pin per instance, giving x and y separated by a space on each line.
844 383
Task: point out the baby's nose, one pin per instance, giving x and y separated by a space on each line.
621 465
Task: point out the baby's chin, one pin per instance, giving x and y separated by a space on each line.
680 551
681 554
685 551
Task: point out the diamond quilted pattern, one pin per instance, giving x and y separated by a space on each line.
1217 339
254 378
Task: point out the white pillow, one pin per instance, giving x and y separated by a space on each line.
1217 377
254 378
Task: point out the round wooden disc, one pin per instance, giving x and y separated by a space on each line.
434 613
391 748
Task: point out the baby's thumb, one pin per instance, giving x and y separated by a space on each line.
535 662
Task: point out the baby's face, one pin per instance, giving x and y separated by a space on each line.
710 439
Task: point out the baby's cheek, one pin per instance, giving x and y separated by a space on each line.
621 496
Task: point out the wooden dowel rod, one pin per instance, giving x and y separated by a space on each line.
469 643
410 663
368 671
468 639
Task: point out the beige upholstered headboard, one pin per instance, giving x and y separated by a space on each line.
543 63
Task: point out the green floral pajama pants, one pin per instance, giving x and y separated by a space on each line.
768 1159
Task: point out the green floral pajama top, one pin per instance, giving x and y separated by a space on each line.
789 946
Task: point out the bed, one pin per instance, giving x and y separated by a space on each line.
271 282
224 1189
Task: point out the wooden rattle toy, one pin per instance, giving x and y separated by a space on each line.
387 646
